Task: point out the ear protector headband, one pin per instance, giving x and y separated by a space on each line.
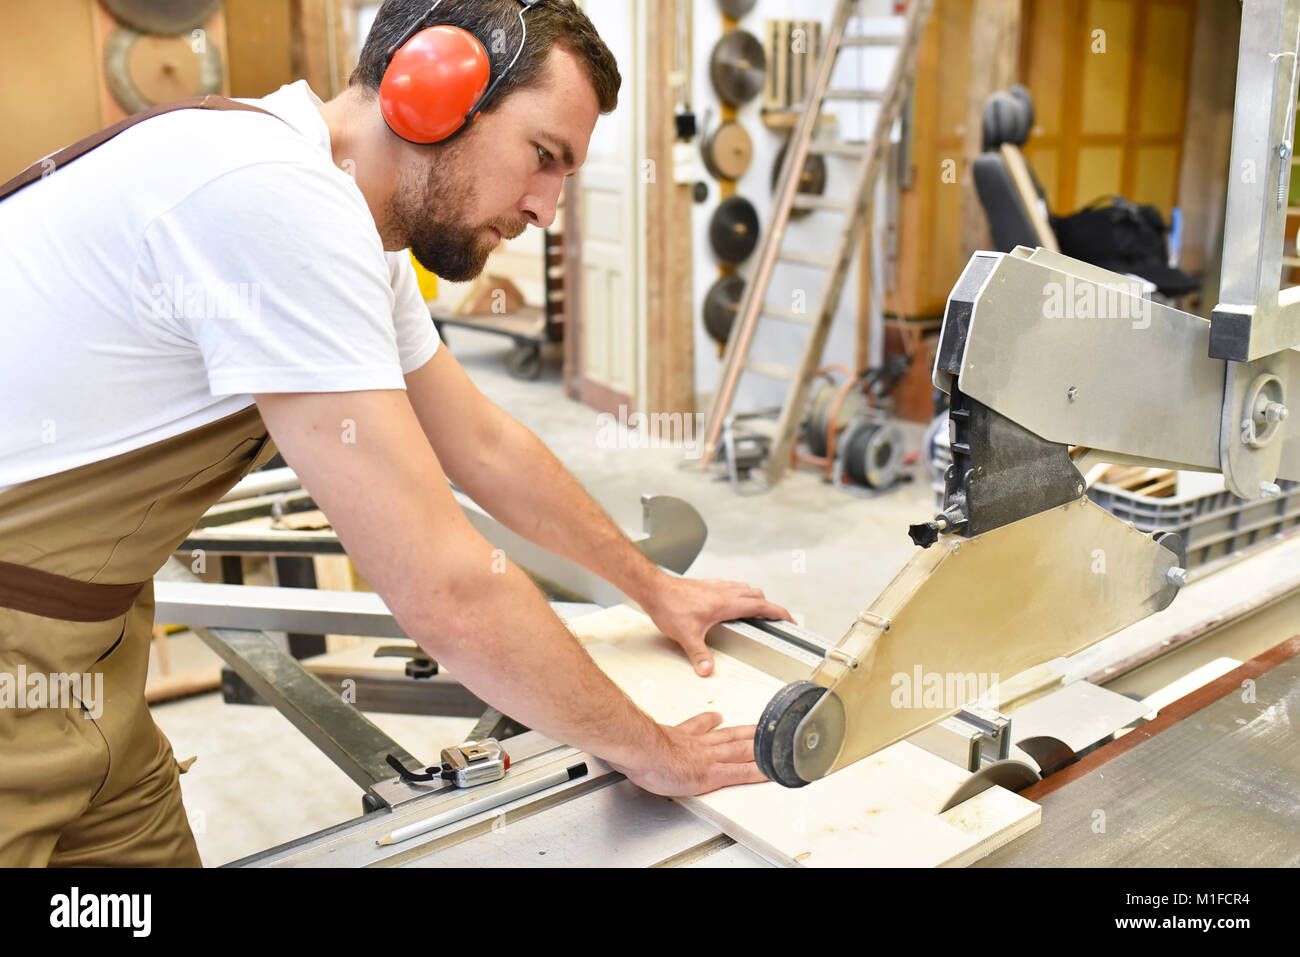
439 78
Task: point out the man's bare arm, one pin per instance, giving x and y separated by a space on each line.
367 464
509 472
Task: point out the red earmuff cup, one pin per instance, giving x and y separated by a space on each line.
433 82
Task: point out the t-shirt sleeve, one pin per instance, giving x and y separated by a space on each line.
417 338
276 273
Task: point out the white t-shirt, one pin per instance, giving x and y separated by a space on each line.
157 283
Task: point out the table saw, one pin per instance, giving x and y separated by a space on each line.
896 808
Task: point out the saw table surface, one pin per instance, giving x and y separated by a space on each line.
1213 782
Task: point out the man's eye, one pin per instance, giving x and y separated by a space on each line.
544 155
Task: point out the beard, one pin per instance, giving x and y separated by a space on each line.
429 215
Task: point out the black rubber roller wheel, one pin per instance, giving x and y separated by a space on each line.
774 741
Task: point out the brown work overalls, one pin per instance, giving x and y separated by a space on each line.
78 551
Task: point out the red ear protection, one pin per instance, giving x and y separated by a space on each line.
433 82
437 79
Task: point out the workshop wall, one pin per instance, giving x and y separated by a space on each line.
930 248
53 88
775 341
1110 80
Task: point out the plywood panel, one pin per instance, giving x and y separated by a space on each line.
949 257
49 80
930 253
1043 74
1100 173
995 35
1166 48
915 205
955 50
1155 178
1106 73
260 35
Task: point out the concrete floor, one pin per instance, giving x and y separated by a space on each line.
821 552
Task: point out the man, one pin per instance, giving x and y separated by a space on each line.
205 276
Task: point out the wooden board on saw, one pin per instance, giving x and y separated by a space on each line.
881 811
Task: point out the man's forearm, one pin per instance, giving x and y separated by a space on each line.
507 646
387 497
526 488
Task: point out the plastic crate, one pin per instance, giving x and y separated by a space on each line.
1211 520
1213 523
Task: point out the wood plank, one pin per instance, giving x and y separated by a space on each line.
995 34
669 278
324 46
1162 487
1015 161
881 811
182 684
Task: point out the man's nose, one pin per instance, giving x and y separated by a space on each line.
539 206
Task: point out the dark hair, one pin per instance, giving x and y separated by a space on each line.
551 23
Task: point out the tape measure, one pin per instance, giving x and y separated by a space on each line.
466 765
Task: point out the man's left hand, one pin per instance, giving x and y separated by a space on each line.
686 608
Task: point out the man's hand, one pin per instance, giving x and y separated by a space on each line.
702 758
686 608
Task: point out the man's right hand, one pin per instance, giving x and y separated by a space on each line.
699 757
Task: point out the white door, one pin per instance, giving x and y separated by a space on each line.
610 187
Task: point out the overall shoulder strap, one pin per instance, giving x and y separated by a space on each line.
82 147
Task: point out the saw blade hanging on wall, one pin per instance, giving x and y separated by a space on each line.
728 151
737 8
738 66
811 183
143 69
734 230
720 306
163 16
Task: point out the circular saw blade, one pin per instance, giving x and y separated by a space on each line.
721 305
728 151
737 8
734 230
1010 774
737 66
163 16
812 182
143 69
